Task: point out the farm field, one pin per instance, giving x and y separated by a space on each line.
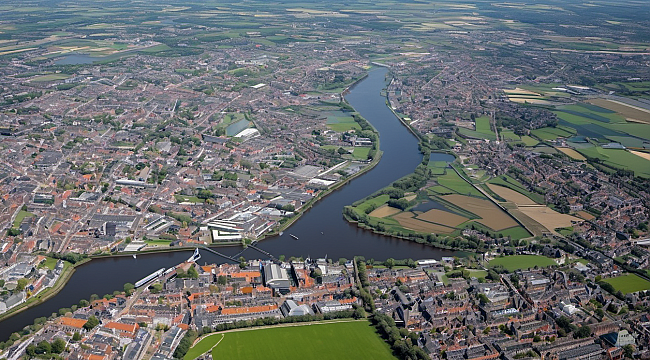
407 220
384 211
512 183
518 262
491 216
572 153
442 217
552 133
452 181
627 111
511 195
620 158
329 340
548 217
628 283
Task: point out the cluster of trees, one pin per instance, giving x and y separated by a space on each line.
415 180
185 344
191 273
390 263
70 257
44 349
403 342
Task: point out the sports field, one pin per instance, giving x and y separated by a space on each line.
628 283
517 262
334 340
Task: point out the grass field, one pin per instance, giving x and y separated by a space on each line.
476 134
340 121
551 133
453 182
22 214
49 263
572 153
619 158
334 340
518 262
628 283
483 125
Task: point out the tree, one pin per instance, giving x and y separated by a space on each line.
30 350
389 263
91 323
192 273
83 303
628 350
43 347
76 336
582 332
222 280
22 283
242 262
128 288
58 345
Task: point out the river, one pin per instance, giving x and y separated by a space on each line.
321 231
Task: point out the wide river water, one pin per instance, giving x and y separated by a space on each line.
321 231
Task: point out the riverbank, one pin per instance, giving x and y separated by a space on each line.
48 293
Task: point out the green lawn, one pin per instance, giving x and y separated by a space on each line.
515 233
529 141
334 340
628 283
477 273
361 153
483 125
518 262
22 214
49 263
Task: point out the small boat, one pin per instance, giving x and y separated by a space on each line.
135 257
293 236
281 232
322 233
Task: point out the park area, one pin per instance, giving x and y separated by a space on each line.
518 262
321 340
628 283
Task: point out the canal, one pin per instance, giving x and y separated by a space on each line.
321 231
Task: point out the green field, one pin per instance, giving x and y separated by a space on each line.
628 283
476 134
552 133
377 202
619 158
49 263
512 183
22 214
453 182
341 121
518 262
483 125
333 340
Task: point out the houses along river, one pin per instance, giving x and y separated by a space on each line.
320 231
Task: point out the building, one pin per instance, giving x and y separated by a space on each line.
276 278
290 308
619 339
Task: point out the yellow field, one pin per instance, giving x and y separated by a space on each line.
548 217
442 217
572 153
627 111
406 220
491 216
519 100
641 154
384 211
511 195
410 197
